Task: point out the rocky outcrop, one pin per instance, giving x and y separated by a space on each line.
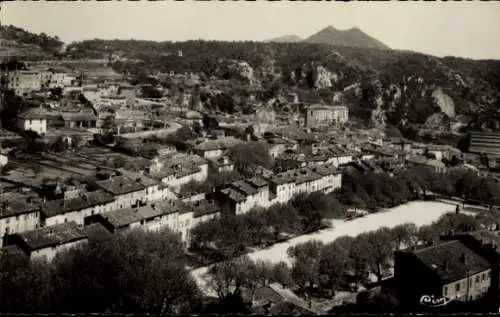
314 76
236 69
444 102
323 78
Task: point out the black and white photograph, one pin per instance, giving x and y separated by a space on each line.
249 157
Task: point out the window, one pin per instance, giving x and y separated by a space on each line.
25 217
477 278
445 290
17 217
457 287
483 277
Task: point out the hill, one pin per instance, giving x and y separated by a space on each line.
286 39
418 93
18 42
353 37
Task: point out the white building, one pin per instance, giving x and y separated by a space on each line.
178 169
242 196
215 148
33 119
23 81
17 214
76 209
127 192
324 115
47 242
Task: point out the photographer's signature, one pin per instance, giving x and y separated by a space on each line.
432 301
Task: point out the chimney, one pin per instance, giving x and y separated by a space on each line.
445 265
463 258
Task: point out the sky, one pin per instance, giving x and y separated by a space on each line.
464 29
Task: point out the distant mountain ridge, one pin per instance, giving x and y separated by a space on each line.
353 37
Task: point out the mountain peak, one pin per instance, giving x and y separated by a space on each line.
353 37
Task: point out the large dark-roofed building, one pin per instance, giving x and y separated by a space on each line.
449 269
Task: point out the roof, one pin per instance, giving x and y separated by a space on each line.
258 182
219 144
78 116
325 107
146 181
244 187
89 199
296 176
33 113
203 208
52 236
96 231
453 253
158 209
121 217
14 204
120 185
426 161
234 194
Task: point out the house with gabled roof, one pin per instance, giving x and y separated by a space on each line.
76 209
447 269
48 241
127 192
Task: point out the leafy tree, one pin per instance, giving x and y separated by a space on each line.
305 266
404 235
281 273
381 249
249 155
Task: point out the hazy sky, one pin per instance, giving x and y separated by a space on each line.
467 29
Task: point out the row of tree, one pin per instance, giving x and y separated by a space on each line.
322 269
374 190
326 268
232 234
134 272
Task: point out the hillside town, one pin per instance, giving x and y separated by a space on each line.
180 192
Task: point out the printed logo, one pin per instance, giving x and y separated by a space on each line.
431 301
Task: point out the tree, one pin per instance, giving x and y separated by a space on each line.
404 235
92 278
281 273
333 264
360 256
381 250
305 266
249 155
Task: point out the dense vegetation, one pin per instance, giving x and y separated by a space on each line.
135 272
321 270
372 190
231 235
377 72
47 44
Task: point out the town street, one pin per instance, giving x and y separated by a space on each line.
419 213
